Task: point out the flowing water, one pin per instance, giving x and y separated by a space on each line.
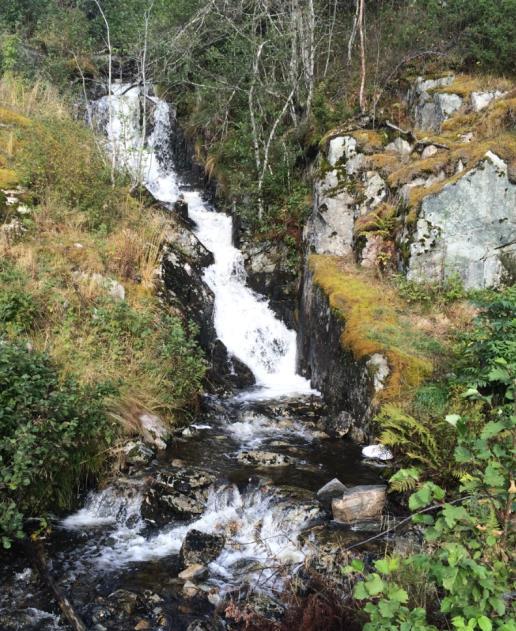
264 511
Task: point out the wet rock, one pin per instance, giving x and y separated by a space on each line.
345 383
339 426
179 494
359 503
269 273
138 454
141 625
193 572
190 590
124 600
332 489
200 548
228 372
265 459
181 239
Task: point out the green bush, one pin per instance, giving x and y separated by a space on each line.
53 437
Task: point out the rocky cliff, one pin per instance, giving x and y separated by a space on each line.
433 200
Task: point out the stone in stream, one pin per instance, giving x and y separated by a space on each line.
338 426
332 489
176 494
265 459
192 572
359 503
200 548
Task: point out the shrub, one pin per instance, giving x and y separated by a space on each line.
53 437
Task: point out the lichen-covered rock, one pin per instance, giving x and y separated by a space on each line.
329 229
468 228
480 100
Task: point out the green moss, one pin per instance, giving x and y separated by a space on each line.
376 322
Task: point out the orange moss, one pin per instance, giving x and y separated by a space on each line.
464 85
428 166
368 140
384 162
375 322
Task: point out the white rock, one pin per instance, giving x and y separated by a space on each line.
429 151
480 100
400 146
341 147
378 452
379 368
154 431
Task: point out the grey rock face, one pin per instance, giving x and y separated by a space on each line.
468 228
347 385
359 503
430 110
329 230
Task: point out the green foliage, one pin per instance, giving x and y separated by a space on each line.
431 294
53 437
60 154
484 30
422 442
469 538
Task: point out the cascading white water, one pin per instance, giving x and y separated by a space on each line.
243 319
260 528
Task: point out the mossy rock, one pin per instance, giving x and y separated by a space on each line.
375 322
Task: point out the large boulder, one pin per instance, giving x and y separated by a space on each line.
200 548
359 503
468 228
180 494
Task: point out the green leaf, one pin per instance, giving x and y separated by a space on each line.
382 565
360 592
453 419
492 429
484 623
374 585
358 565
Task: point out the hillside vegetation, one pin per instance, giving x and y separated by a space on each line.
86 347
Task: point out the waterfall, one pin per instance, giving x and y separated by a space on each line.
244 320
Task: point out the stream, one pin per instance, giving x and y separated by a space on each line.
248 468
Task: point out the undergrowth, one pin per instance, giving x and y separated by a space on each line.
78 311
